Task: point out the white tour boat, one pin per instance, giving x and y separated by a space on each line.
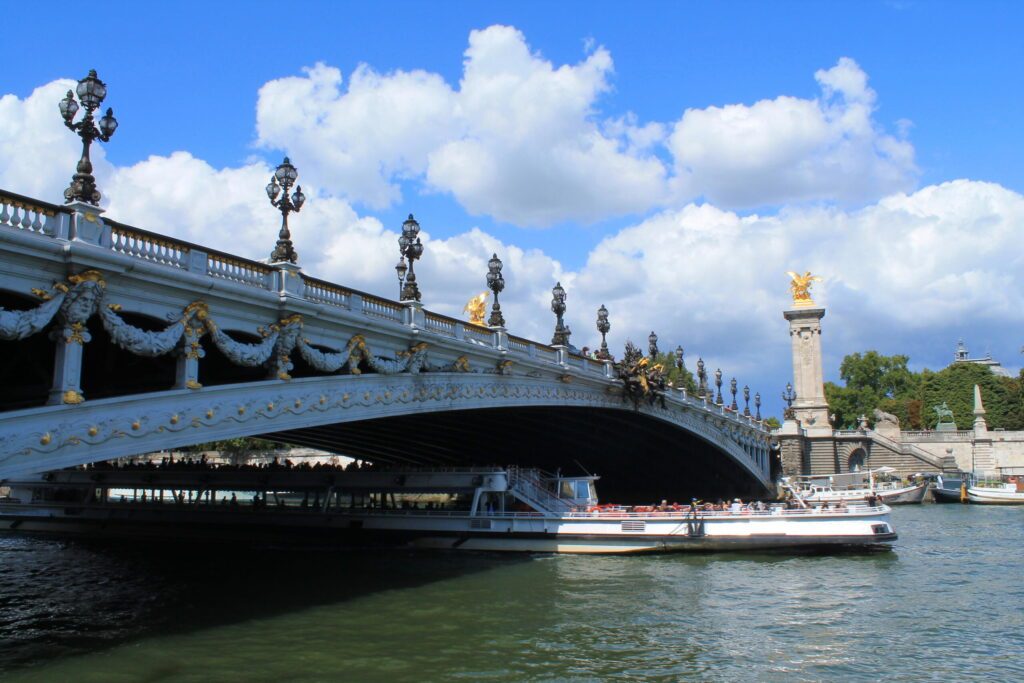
857 487
488 509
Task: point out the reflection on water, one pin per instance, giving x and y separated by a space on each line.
944 604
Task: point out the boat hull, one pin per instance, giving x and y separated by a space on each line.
946 495
988 496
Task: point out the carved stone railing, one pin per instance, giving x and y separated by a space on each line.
237 269
146 245
382 308
939 436
519 345
480 335
28 214
546 353
327 293
440 324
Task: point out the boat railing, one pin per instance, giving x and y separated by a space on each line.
730 514
681 515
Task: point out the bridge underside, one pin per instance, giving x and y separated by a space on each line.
640 459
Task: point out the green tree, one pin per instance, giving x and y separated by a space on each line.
884 382
872 381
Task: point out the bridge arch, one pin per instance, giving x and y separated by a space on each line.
429 419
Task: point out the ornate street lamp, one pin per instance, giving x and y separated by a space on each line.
702 379
757 405
411 248
789 396
732 389
400 270
746 400
91 92
561 336
718 383
280 183
603 326
679 358
652 345
496 283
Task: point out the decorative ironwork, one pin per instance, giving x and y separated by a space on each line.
411 248
91 92
400 270
603 326
562 332
280 184
789 396
746 400
496 283
718 384
652 346
732 389
702 379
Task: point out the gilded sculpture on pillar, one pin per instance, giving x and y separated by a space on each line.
800 288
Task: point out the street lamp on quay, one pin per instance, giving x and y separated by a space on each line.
401 269
603 326
91 92
411 248
561 336
789 396
496 283
281 182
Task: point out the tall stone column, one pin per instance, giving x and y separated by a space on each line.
810 406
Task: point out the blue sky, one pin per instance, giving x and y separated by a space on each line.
929 94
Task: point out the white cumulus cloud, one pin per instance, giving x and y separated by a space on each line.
791 150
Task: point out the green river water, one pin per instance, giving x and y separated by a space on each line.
946 604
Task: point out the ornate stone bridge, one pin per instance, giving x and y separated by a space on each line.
115 341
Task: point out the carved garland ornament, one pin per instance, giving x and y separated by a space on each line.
72 304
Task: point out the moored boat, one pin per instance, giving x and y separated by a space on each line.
491 509
950 488
1006 491
858 487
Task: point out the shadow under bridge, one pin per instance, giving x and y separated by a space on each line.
640 458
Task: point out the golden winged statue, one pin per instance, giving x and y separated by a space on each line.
476 307
800 288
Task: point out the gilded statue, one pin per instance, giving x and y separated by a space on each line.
475 307
800 288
